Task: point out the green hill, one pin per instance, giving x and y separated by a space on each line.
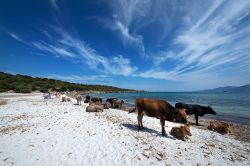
26 84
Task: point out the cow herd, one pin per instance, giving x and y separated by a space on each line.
159 109
96 104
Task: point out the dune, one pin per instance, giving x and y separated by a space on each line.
34 131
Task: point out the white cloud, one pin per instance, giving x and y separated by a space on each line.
213 39
119 66
16 37
55 50
54 4
63 44
81 79
158 75
125 13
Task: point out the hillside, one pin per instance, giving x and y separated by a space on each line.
25 84
240 89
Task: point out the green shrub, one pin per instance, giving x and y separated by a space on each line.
23 89
34 87
43 89
4 86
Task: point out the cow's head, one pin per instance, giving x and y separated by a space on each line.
181 116
186 130
210 110
180 106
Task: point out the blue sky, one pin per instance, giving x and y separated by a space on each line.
155 45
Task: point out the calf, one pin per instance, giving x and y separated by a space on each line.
195 109
79 99
157 108
181 132
63 99
87 99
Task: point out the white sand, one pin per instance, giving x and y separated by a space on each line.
34 131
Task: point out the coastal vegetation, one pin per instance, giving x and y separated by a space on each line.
26 84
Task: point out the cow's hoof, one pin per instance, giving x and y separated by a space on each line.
164 134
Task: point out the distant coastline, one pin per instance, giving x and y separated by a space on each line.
235 89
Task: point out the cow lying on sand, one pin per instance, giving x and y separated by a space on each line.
65 98
195 109
221 127
180 132
111 100
160 109
94 108
107 105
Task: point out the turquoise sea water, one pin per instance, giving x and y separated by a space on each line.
234 107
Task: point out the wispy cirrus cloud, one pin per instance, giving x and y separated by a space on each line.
124 14
82 78
54 4
54 50
212 40
16 37
63 44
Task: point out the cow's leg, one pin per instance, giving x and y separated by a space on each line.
139 121
163 132
196 119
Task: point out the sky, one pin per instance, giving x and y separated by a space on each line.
152 45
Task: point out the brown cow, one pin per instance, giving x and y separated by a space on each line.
181 132
118 104
157 108
94 108
107 105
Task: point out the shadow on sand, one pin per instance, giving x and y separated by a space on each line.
145 129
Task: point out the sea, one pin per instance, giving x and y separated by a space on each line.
232 107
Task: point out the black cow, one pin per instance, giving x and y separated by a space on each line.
87 99
111 100
96 100
195 109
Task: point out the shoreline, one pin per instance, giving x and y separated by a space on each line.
241 130
229 107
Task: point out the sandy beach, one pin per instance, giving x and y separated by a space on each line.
34 131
